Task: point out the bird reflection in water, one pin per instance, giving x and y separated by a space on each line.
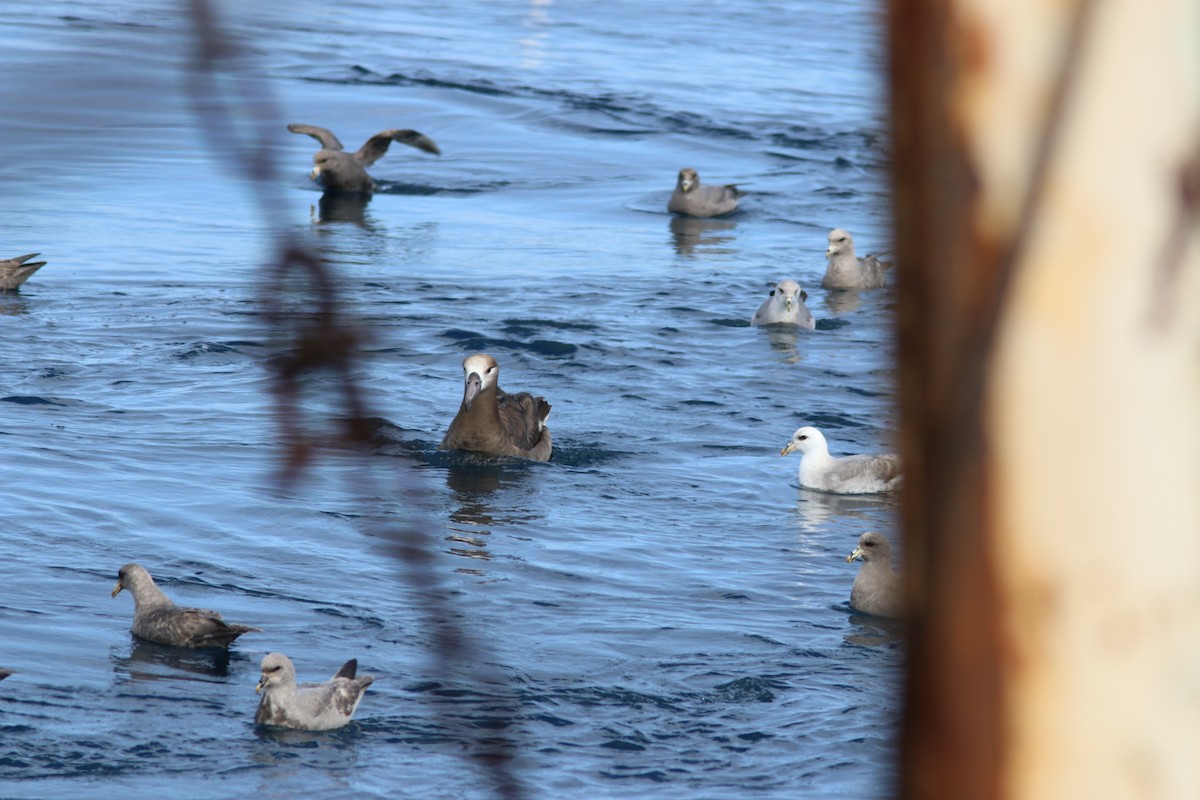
153 661
341 207
473 478
692 232
841 301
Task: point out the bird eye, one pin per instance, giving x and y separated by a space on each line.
802 438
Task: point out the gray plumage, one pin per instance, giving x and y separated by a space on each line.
877 588
699 200
14 271
339 171
489 420
846 271
4 673
785 305
157 619
864 474
307 706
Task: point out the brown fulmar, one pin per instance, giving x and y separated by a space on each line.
492 421
877 588
307 706
700 200
339 171
157 619
14 271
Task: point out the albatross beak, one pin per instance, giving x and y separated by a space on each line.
788 448
262 682
474 384
858 553
315 174
829 251
788 303
117 589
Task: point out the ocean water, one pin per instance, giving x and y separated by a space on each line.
660 610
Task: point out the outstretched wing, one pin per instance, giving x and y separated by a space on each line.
325 137
377 145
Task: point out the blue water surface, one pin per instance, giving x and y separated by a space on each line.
658 611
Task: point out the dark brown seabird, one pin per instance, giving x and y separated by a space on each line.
14 271
157 619
492 421
339 171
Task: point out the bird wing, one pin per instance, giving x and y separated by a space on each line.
377 145
322 135
523 417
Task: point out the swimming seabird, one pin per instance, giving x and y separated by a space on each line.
863 474
846 271
14 271
492 421
339 171
307 706
785 304
157 619
877 587
699 200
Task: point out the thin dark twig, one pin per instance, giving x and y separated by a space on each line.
320 340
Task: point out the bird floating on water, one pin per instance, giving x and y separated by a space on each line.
157 619
877 587
702 200
307 706
863 474
785 305
846 271
490 420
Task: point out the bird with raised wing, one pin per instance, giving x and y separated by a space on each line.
338 171
307 706
490 420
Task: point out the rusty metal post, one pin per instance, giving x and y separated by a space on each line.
1047 176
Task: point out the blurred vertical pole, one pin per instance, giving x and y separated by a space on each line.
1047 209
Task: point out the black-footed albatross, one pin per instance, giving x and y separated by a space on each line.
14 271
492 421
157 619
846 271
307 706
339 171
701 200
877 588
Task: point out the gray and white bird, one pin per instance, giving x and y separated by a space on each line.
157 619
15 271
785 305
338 171
877 587
307 706
701 200
844 270
863 474
490 420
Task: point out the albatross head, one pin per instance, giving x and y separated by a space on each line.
839 242
871 545
806 440
688 179
277 670
480 373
